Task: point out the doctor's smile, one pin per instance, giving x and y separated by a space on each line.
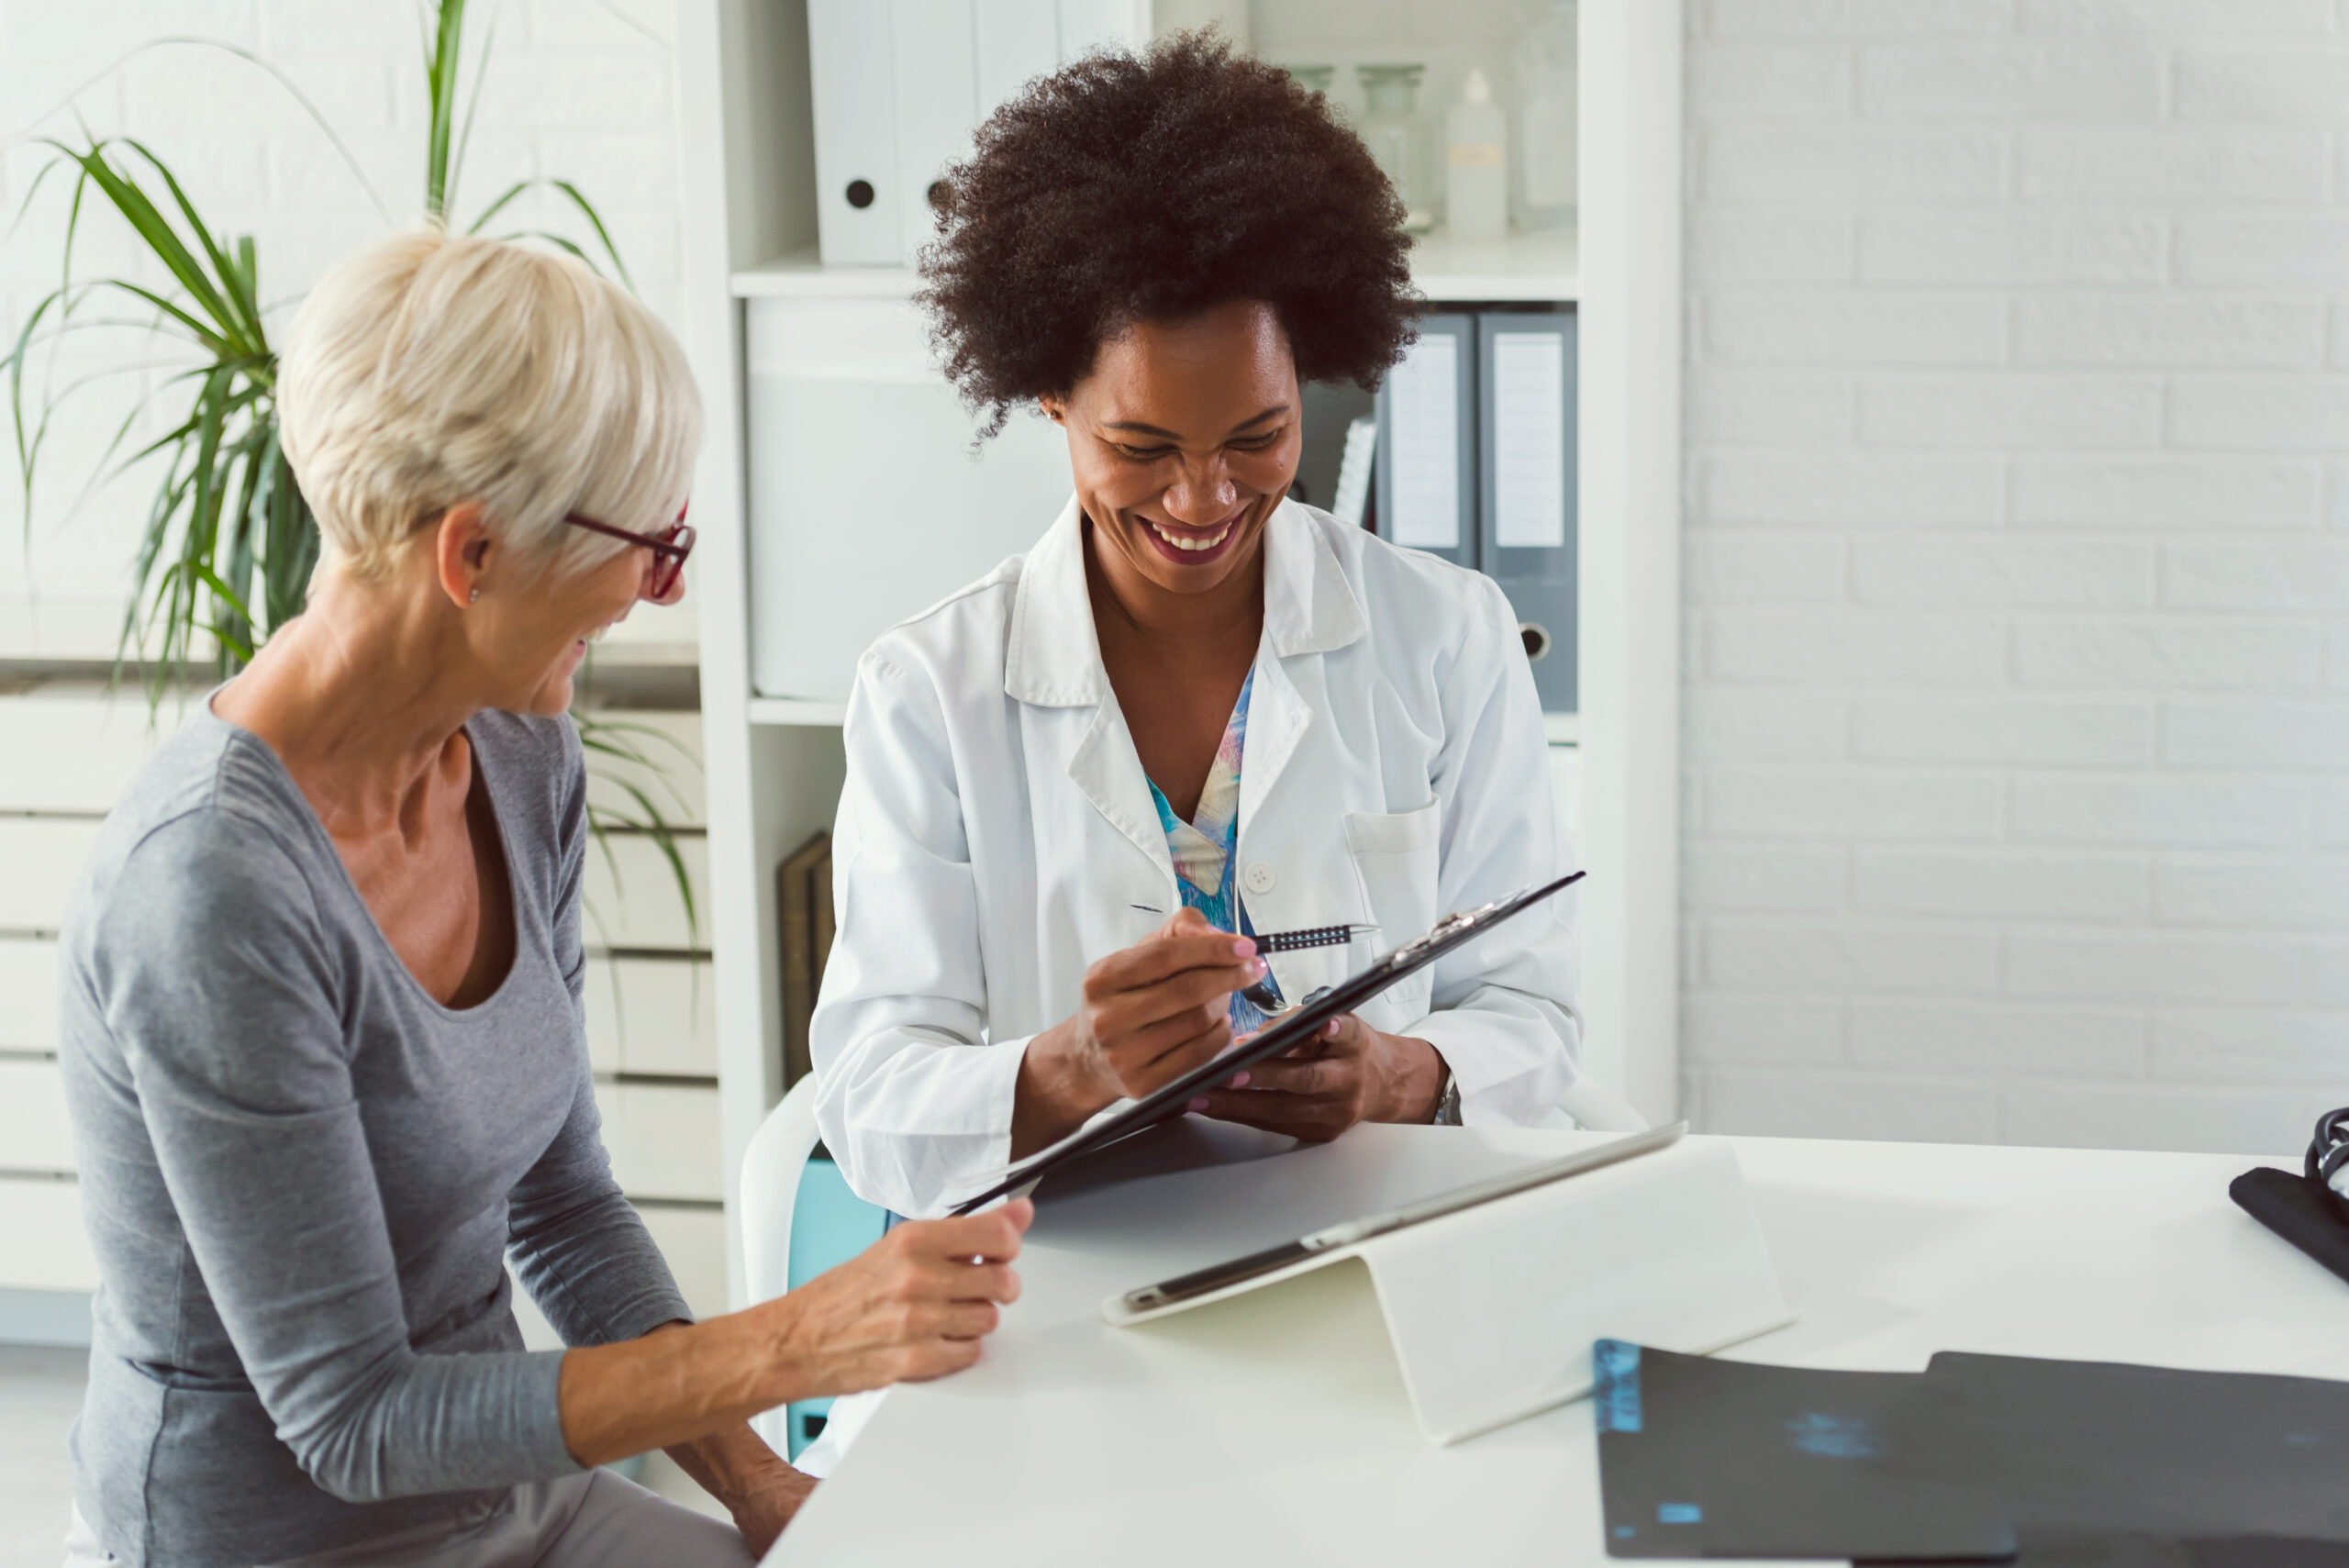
1194 547
1184 439
1189 545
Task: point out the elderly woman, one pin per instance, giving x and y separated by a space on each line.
1197 710
323 1042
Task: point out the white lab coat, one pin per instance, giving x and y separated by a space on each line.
996 836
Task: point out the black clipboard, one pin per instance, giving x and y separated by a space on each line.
1296 1029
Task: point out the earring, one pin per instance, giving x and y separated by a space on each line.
474 599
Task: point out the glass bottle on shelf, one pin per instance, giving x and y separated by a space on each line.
1475 197
1398 138
1547 116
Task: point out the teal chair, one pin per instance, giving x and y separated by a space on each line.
798 1219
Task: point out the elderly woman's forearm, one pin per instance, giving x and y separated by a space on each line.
675 1385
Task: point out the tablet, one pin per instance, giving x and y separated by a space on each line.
1272 1260
1298 1028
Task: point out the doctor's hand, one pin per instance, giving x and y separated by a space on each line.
911 1307
1349 1073
1150 1014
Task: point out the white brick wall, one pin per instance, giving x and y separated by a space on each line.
2018 569
573 91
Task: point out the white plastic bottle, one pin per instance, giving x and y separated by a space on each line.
1477 163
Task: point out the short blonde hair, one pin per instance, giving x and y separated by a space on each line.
433 368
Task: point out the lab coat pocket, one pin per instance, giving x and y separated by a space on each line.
1396 858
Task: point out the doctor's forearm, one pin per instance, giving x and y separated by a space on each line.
1056 1092
1149 1013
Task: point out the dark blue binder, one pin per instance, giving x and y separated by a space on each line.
1527 474
1427 443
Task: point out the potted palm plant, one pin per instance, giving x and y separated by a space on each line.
229 542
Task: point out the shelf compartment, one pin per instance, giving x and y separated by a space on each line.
798 710
1523 267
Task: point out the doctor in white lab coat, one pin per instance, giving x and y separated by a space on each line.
1157 249
997 842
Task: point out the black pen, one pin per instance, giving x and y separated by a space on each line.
1311 937
1266 992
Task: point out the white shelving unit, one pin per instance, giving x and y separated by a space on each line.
798 711
775 762
1541 268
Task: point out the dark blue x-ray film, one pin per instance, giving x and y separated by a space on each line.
1703 1458
2054 1464
2074 1449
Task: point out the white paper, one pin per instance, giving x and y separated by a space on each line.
1423 399
1529 440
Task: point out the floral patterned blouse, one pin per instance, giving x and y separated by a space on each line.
1206 846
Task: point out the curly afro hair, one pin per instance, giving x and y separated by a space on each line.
1149 187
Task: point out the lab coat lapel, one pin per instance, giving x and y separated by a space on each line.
1054 660
1106 768
1309 608
1278 719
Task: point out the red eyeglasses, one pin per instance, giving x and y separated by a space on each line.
669 547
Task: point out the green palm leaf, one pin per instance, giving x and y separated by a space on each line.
440 80
229 544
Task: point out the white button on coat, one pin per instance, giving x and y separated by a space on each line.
995 823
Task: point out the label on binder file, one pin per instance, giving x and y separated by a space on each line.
1425 389
1529 440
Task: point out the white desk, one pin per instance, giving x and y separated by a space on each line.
1274 1427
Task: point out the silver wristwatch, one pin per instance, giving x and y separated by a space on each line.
1447 1106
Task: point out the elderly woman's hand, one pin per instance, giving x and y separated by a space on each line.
911 1307
764 1507
1349 1073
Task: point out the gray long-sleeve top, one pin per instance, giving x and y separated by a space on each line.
301 1173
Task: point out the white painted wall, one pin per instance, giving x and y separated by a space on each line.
579 88
2018 584
2017 735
